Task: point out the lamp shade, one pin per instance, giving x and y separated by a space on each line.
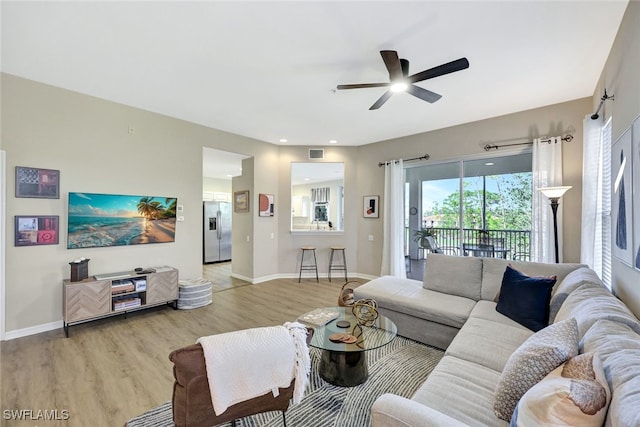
554 192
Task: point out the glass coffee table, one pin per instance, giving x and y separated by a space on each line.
345 364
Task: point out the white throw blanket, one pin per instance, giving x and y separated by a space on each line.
245 364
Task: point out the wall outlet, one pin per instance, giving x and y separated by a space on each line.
180 218
371 237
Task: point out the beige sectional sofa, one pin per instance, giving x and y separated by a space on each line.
454 309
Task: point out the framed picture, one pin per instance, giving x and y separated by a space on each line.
265 205
621 198
100 220
636 185
37 183
36 230
371 208
241 201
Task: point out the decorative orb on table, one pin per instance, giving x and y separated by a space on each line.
365 311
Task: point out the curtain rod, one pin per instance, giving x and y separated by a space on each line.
488 147
604 98
425 157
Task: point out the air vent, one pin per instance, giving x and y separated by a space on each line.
316 153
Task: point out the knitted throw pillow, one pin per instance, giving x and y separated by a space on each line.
540 354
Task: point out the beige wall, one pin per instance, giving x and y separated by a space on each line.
289 243
216 185
87 139
467 141
620 78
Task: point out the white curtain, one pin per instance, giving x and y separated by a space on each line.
320 194
393 221
547 172
595 247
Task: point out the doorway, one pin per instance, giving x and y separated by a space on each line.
218 169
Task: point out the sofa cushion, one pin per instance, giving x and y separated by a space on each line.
623 373
454 275
588 304
493 270
575 279
488 343
540 354
608 337
619 348
410 297
462 390
575 393
525 299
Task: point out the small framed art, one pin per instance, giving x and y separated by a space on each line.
266 205
241 201
36 230
37 183
371 207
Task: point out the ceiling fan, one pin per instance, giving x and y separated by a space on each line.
400 80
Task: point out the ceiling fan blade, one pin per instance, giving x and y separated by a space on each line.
362 85
404 63
381 100
392 62
424 94
440 70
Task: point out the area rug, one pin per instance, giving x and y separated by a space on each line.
399 368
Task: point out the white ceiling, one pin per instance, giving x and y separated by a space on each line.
221 164
268 69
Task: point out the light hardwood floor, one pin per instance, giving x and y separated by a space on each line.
111 370
219 274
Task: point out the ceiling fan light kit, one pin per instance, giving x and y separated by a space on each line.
401 81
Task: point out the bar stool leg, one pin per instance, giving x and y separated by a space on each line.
301 264
330 264
313 266
342 266
315 261
344 262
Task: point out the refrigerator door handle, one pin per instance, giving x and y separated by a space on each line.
219 229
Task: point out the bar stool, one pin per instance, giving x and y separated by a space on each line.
310 267
332 266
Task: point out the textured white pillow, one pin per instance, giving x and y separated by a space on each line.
540 354
574 394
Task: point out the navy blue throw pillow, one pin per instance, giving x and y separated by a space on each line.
525 299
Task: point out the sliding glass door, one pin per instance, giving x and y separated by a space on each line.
473 207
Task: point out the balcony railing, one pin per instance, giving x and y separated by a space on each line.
515 244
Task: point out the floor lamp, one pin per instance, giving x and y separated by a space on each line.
554 194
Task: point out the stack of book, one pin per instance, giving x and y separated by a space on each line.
122 286
127 303
319 316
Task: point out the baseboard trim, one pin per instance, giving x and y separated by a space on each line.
32 330
46 327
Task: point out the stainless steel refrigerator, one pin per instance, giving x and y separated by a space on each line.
217 232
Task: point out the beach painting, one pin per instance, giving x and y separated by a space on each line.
98 220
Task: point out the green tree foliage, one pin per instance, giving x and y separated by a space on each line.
508 208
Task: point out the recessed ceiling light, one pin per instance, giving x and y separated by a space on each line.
229 175
333 141
283 140
489 164
307 179
398 87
